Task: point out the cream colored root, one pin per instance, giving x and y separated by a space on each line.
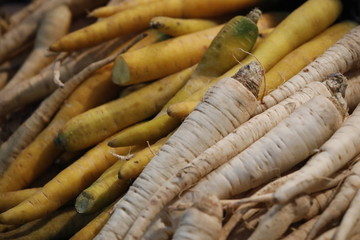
55 24
243 206
200 129
228 147
201 221
341 57
352 93
301 232
350 220
340 203
335 153
43 114
288 144
20 33
279 217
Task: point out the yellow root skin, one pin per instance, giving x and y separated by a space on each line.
137 19
176 54
11 199
179 26
149 131
105 189
123 23
133 167
58 225
93 228
305 22
182 109
95 125
108 11
65 186
296 60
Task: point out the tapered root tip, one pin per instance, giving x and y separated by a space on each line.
113 143
251 75
55 47
121 72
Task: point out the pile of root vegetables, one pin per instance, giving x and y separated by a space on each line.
179 119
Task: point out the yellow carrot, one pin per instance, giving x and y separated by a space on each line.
64 186
150 131
305 22
92 126
109 10
58 225
133 167
238 32
176 54
106 188
41 152
92 228
11 199
182 109
297 59
137 19
181 26
288 31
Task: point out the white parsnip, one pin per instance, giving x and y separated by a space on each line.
335 153
301 232
279 217
350 221
229 146
54 25
341 57
352 93
340 203
201 221
226 105
290 142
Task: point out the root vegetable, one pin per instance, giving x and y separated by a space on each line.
209 123
280 149
126 22
54 25
64 186
335 153
201 221
227 148
341 57
180 26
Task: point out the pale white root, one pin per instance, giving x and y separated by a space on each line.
352 93
20 33
340 203
225 106
302 231
201 221
229 146
279 217
350 221
54 25
334 154
284 146
343 56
